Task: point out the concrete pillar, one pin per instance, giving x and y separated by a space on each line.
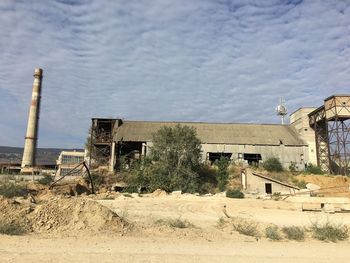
112 160
31 138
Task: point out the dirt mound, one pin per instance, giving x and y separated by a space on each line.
15 213
330 185
68 216
75 215
72 187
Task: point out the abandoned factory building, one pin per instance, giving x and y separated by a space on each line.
249 143
310 137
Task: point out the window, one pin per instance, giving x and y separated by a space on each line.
69 159
216 156
252 158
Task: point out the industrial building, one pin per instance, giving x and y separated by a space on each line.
299 143
67 161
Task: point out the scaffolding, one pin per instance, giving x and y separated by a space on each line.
101 141
331 123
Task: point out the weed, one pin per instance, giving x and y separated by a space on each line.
272 233
329 231
11 229
246 227
128 195
10 190
175 223
221 223
294 233
276 196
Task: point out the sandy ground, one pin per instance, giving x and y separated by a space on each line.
126 249
206 211
204 243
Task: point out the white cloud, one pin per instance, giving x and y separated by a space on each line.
167 60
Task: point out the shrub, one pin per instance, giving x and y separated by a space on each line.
97 179
45 180
294 233
246 227
10 190
235 193
292 167
11 229
222 174
273 164
329 231
272 232
313 169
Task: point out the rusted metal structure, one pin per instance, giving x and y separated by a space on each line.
28 161
331 123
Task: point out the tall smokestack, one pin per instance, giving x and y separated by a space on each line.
33 122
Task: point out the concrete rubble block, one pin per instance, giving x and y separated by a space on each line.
176 193
313 187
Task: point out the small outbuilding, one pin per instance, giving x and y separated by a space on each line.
259 184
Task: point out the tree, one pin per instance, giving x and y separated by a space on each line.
222 174
175 159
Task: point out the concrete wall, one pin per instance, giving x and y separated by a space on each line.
286 154
300 121
255 184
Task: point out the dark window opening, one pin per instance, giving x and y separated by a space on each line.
128 152
216 156
252 158
268 188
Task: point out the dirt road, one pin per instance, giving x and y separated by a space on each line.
131 249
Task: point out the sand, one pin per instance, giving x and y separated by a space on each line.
125 229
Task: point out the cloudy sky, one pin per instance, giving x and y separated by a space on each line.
183 60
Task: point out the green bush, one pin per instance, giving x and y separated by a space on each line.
272 232
10 190
235 193
11 229
222 173
329 231
273 164
45 180
313 169
294 233
246 227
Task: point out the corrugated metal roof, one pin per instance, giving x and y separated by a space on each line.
216 133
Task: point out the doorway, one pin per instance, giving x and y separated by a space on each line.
268 188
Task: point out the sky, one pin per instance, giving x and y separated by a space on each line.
166 60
